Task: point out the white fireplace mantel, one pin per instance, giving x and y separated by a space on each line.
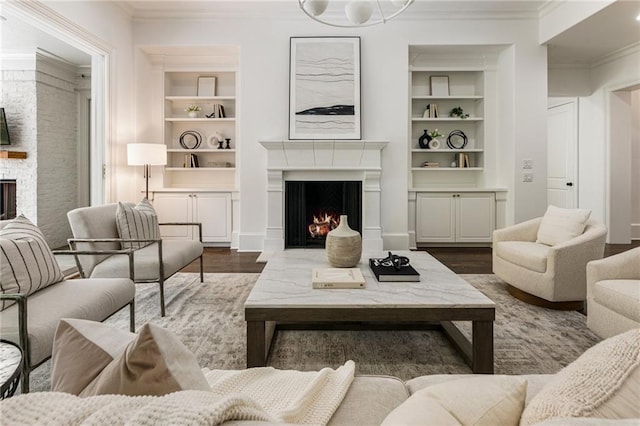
324 160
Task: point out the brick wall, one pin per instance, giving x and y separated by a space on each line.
41 108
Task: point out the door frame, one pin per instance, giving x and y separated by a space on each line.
613 216
47 20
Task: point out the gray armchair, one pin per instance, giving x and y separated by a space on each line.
95 228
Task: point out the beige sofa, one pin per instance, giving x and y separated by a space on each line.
613 293
31 322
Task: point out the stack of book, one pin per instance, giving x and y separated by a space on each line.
463 160
431 111
218 111
190 161
431 164
391 273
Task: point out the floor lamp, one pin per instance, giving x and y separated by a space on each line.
146 154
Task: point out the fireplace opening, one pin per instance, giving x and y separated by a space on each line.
313 209
7 199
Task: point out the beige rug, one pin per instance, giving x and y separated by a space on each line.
209 318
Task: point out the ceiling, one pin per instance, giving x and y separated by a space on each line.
611 29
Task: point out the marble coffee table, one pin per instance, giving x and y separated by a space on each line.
283 294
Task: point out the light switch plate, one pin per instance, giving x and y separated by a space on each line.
527 163
527 177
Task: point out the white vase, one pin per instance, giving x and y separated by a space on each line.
343 245
193 114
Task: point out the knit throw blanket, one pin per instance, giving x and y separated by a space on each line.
264 394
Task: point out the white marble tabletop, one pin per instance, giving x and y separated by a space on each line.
285 282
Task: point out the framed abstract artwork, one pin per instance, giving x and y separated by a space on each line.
324 88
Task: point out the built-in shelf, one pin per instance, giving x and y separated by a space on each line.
13 155
446 169
447 119
199 98
433 151
199 119
200 169
198 150
446 98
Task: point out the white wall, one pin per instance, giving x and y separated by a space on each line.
614 73
635 165
264 62
112 25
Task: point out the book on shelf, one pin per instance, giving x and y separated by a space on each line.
391 274
431 111
431 164
323 278
463 160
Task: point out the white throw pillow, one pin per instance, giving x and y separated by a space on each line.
604 382
26 261
137 223
559 225
477 400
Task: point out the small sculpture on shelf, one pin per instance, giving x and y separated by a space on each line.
428 139
228 140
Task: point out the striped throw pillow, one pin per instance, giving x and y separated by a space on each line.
26 262
138 222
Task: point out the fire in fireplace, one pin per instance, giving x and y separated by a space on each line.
313 209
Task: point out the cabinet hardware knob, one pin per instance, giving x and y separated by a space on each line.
569 183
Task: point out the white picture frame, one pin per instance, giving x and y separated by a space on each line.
439 85
324 88
206 86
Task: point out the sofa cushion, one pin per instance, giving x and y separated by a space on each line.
559 225
26 262
535 382
476 400
81 350
91 299
378 395
529 255
176 254
138 222
155 362
621 296
603 382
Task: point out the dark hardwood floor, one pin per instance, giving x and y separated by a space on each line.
461 260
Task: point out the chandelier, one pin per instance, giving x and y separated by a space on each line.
358 13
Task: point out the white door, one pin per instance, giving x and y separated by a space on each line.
174 207
213 210
562 154
435 218
476 218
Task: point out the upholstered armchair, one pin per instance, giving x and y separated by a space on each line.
613 293
552 276
154 260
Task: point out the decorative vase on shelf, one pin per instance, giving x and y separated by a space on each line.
344 245
192 114
424 140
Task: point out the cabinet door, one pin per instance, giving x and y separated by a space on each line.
213 210
435 218
475 217
174 207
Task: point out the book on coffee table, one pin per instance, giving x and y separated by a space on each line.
390 273
337 278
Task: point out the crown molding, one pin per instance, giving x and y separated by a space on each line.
617 54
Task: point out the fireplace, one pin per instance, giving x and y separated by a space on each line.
321 162
313 208
7 199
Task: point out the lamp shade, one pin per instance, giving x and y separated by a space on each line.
358 11
153 154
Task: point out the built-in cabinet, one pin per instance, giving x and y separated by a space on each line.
212 209
201 150
451 217
458 155
455 196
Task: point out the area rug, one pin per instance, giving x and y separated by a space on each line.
209 318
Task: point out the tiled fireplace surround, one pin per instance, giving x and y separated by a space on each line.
324 161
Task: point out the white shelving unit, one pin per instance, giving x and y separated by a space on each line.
466 90
216 167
